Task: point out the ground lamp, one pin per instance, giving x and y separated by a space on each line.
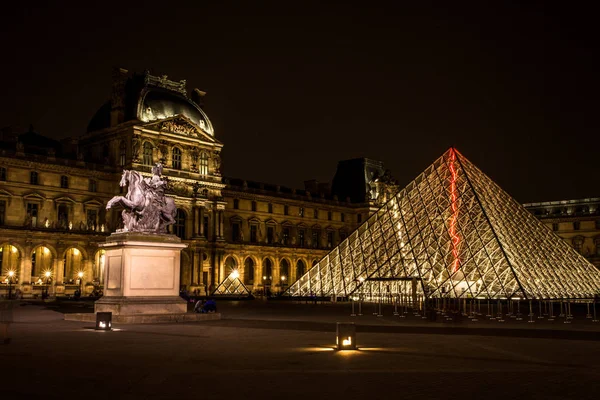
346 336
103 321
47 275
10 280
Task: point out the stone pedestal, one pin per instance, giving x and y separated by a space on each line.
141 275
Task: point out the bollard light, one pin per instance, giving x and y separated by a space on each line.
104 321
346 336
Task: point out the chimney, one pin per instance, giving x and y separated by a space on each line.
117 97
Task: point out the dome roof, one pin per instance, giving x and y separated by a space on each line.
148 98
157 103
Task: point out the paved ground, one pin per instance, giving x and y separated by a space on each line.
283 350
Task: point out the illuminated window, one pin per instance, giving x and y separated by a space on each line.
33 260
249 271
176 158
267 271
2 174
315 238
284 268
64 182
147 155
203 163
32 213
286 236
576 225
253 206
92 185
63 216
122 153
33 178
179 226
300 268
236 232
92 219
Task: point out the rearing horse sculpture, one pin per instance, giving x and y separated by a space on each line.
146 208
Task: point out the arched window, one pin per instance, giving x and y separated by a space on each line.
300 269
203 163
284 269
249 271
147 156
230 265
267 271
176 157
122 153
179 226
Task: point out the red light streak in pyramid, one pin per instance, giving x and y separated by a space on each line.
454 206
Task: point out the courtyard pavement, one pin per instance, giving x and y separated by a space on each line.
283 350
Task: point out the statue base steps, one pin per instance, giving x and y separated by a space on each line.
147 318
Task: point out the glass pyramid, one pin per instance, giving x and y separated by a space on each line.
452 232
232 286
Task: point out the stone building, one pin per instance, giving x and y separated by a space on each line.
576 221
53 196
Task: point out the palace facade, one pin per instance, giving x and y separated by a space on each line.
53 196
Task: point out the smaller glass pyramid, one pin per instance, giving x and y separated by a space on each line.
232 286
452 232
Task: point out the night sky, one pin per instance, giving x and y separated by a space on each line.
292 88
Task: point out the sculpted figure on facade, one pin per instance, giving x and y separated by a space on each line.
146 208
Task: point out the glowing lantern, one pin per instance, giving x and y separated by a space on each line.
346 336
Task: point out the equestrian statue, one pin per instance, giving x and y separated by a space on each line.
146 208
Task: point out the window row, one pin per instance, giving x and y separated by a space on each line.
34 179
176 158
301 211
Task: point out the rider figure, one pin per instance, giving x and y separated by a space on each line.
155 188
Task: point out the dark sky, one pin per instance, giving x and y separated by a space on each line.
294 88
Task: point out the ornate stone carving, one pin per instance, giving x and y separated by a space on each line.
146 208
179 126
217 162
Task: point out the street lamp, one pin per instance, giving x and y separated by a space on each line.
80 275
10 280
47 275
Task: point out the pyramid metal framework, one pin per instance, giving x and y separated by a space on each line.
452 232
232 286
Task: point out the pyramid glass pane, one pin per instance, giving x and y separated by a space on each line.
231 286
458 234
